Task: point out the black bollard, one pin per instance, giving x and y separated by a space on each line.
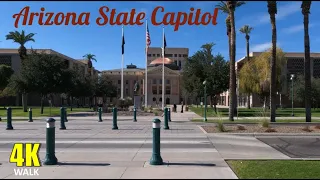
62 124
9 119
114 112
50 143
30 115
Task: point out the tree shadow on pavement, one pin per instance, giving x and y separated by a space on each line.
80 129
82 164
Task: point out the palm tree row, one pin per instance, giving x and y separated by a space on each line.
229 8
22 38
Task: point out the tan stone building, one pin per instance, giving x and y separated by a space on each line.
295 65
11 58
174 61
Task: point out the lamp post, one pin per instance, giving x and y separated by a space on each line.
280 99
205 100
292 76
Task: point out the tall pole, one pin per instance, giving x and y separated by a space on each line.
292 93
205 102
122 71
163 68
146 73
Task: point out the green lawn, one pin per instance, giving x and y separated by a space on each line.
55 111
254 120
275 169
254 112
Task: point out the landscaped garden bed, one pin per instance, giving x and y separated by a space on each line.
258 128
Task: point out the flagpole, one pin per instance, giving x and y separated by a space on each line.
122 56
146 73
163 68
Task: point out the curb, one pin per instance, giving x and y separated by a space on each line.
265 134
205 132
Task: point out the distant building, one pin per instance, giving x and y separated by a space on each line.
175 59
11 58
295 65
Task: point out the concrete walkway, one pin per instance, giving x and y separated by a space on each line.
89 149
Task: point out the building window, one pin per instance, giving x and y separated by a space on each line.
160 81
149 55
153 55
154 99
119 81
185 55
168 90
160 89
158 55
168 81
154 81
179 55
154 89
180 64
141 81
110 72
127 81
118 91
127 92
160 99
119 72
176 62
168 55
175 55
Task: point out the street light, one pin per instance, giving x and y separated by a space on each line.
205 100
292 76
280 99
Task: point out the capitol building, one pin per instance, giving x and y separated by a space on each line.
174 61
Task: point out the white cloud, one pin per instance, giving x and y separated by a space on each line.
262 47
296 28
283 11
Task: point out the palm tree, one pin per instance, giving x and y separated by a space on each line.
246 29
272 10
229 8
22 39
90 57
306 11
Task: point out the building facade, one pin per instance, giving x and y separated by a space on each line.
294 65
11 58
174 61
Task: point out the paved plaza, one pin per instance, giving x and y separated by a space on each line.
91 149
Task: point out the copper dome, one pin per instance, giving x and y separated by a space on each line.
160 60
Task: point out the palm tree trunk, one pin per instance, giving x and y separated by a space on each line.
307 74
248 98
273 70
232 69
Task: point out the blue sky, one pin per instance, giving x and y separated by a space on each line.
105 41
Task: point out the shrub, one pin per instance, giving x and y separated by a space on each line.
270 130
307 129
265 123
241 127
156 113
317 127
221 127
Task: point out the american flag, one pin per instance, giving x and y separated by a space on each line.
148 43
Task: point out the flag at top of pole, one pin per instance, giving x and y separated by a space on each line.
148 39
123 41
164 44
